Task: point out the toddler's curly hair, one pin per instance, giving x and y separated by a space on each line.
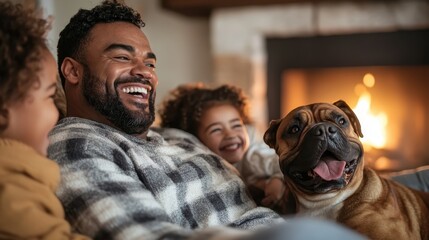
22 41
186 104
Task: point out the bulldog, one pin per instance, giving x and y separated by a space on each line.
322 160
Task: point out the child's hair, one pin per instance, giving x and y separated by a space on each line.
186 104
22 41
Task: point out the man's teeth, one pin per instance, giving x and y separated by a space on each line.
134 90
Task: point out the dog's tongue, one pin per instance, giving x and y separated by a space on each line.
329 169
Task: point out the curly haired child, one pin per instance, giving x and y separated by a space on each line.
218 118
28 79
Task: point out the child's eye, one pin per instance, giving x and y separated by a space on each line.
237 126
215 130
53 94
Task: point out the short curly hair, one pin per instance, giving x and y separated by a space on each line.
75 36
186 104
22 42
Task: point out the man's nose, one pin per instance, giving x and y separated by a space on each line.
143 71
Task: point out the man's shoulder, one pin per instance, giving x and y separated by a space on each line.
77 138
76 127
79 131
74 124
176 135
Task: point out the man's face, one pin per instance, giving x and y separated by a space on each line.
119 79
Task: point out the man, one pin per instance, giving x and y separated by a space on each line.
121 180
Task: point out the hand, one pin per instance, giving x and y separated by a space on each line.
274 191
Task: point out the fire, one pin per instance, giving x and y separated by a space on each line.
373 125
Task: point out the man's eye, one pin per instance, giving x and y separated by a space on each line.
151 65
122 58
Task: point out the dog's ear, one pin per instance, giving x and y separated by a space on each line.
270 134
352 116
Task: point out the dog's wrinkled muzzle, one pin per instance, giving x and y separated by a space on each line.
325 160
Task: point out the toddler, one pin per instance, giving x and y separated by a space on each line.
218 118
28 79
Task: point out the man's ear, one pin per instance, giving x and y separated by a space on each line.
72 70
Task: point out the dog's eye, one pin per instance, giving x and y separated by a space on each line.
293 129
342 121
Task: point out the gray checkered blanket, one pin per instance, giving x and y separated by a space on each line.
117 186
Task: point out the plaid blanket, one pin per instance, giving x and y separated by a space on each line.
169 186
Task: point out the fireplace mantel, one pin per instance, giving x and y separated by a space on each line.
203 8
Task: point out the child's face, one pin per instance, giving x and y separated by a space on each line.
31 119
222 131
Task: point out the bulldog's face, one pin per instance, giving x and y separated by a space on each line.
318 146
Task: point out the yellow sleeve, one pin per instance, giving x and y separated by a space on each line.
30 210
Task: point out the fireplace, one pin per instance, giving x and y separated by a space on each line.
388 70
275 51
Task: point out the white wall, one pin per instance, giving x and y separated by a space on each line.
181 43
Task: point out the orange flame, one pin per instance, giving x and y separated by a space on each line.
373 125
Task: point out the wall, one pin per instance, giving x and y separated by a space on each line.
180 43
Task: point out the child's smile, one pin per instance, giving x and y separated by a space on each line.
222 130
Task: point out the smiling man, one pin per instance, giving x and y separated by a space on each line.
112 80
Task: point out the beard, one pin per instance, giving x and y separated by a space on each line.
110 106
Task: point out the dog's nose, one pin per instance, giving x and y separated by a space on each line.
324 129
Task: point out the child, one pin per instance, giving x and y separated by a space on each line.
217 117
28 205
